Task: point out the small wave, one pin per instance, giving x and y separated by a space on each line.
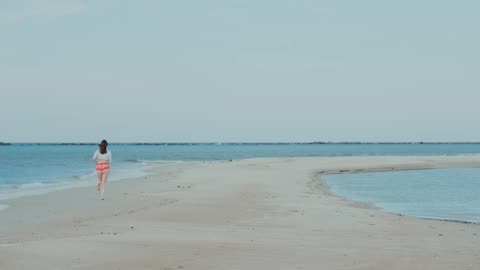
38 188
160 161
155 161
134 160
42 186
150 160
84 176
131 169
3 207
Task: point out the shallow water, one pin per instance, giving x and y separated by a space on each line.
449 194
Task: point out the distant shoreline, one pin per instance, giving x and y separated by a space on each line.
242 143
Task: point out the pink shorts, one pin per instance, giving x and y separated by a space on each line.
102 167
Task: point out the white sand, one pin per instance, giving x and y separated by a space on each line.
248 214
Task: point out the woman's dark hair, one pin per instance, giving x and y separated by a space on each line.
103 146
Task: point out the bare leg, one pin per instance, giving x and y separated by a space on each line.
99 174
104 181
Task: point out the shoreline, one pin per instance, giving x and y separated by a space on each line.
322 183
76 181
151 165
262 213
317 175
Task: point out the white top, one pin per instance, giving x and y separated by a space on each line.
102 157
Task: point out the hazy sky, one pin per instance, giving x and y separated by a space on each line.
253 70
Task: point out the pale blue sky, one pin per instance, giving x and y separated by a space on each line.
202 71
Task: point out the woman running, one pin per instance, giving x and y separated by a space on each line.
102 158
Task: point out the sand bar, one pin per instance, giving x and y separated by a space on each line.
248 214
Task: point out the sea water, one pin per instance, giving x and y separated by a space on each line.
447 194
27 169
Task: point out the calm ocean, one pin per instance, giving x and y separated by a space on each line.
27 169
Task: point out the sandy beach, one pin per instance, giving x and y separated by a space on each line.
274 213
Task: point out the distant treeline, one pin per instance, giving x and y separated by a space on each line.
248 143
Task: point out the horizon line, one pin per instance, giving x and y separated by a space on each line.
246 143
